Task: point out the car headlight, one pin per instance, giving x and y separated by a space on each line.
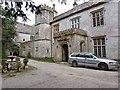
112 63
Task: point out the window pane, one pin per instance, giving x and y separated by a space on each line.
78 26
103 41
99 42
95 50
98 19
93 15
99 51
72 21
77 20
104 51
102 20
95 42
94 22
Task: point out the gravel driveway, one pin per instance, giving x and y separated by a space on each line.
52 75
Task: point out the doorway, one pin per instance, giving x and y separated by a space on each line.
65 53
82 46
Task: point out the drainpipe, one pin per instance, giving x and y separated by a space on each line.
51 41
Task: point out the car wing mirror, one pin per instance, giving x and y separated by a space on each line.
94 58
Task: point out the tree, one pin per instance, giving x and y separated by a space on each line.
14 48
14 9
8 30
8 34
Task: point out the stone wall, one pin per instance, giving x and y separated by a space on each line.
39 48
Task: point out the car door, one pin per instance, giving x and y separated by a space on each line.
81 59
90 61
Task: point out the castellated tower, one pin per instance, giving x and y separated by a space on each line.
43 34
42 20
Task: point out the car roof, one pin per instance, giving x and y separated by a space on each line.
81 53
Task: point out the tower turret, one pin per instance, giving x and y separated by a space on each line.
45 15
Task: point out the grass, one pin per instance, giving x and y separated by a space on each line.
13 73
42 59
45 59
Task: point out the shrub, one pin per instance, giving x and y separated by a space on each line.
4 59
3 63
25 61
18 64
29 55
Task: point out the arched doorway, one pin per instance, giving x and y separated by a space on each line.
65 53
82 46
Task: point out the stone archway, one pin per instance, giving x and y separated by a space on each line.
82 46
65 53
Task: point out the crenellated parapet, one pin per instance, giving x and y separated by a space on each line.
70 31
44 14
46 7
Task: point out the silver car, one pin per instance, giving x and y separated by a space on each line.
90 60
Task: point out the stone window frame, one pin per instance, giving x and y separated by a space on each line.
98 18
99 44
24 48
47 50
75 22
36 49
32 37
29 48
56 27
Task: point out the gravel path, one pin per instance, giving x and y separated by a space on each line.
51 75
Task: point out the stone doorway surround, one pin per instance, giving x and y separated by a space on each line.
65 53
67 40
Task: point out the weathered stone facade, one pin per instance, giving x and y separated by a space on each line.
58 37
68 40
40 45
108 31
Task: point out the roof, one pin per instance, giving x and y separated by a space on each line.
79 8
26 29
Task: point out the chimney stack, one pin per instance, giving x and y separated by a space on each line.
53 6
75 4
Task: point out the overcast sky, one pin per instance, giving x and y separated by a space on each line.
60 8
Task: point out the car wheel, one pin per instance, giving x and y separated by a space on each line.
103 66
74 64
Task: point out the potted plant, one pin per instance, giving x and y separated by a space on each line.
25 61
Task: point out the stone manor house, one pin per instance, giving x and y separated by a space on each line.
89 27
